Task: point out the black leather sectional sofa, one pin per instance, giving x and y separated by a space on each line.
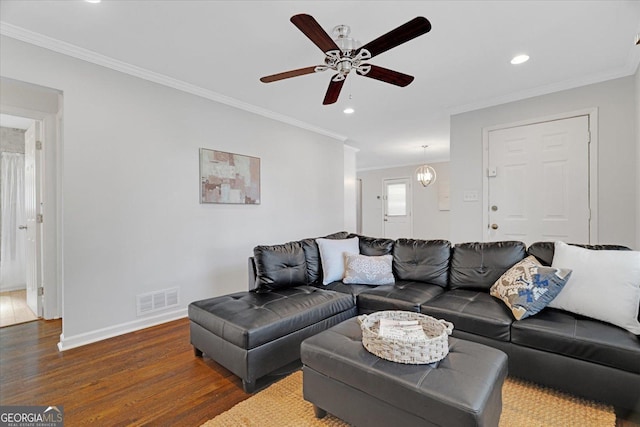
255 332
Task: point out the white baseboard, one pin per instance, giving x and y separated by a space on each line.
67 343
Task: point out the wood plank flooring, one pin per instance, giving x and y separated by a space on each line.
14 308
149 377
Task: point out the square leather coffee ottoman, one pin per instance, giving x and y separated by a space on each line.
341 377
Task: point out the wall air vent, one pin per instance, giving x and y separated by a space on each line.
156 301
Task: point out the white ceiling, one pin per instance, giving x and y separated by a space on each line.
461 65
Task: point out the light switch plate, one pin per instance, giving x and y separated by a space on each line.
470 196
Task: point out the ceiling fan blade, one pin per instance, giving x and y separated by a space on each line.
310 27
333 91
409 31
387 76
288 74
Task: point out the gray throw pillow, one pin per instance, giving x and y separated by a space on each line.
368 270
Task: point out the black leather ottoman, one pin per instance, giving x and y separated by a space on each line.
341 377
253 334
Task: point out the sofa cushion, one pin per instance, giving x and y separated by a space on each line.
250 319
479 265
404 295
422 261
528 287
579 337
353 290
604 285
373 246
312 256
470 311
280 266
544 251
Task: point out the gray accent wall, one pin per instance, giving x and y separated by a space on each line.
618 185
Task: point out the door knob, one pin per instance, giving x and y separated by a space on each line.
494 226
22 227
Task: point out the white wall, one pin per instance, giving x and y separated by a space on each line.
637 119
429 222
617 158
132 218
350 189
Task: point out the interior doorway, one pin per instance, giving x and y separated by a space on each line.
19 299
43 224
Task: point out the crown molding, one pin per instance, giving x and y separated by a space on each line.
627 70
87 55
431 162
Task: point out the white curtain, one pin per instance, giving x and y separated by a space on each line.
12 214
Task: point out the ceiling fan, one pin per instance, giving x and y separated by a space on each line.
344 55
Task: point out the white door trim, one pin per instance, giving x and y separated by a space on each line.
51 179
592 113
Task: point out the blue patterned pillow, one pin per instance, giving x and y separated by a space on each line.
528 287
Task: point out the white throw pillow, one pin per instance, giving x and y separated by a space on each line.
332 257
604 285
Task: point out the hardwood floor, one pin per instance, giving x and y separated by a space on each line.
14 308
148 377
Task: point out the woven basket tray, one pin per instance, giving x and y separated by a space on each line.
431 349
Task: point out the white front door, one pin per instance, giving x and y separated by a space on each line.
397 208
538 179
32 209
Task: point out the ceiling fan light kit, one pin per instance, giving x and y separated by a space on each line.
345 54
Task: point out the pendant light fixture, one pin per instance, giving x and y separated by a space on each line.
425 174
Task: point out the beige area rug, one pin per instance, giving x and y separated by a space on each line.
523 405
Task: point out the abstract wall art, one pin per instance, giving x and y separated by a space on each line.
229 178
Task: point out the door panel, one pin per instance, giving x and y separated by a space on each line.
539 182
31 204
397 208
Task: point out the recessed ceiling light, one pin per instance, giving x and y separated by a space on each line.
93 1
519 59
348 110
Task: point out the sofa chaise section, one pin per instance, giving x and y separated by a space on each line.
253 334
